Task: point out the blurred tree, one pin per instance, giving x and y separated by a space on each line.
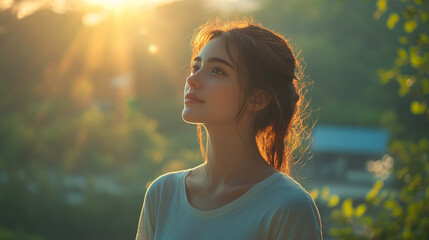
88 100
342 48
67 114
411 66
401 211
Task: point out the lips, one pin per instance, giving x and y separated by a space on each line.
193 97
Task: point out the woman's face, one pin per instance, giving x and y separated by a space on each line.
214 80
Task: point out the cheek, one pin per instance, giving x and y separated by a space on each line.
225 97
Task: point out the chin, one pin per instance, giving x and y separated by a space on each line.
189 118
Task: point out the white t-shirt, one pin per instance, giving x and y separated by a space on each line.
275 208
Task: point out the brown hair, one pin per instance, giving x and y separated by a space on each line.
265 61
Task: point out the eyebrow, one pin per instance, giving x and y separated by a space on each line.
215 59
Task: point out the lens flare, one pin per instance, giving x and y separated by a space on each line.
111 4
153 48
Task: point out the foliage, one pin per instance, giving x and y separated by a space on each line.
8 234
341 48
399 210
64 113
389 212
411 66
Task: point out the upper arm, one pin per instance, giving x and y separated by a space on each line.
146 227
299 220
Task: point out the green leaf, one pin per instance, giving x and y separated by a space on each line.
378 184
314 193
333 201
402 57
397 211
410 25
372 194
403 86
423 39
402 53
347 208
415 60
325 193
382 5
360 210
424 16
418 108
403 40
384 194
406 233
335 232
390 204
385 75
392 20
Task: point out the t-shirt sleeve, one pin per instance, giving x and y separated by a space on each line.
300 219
146 227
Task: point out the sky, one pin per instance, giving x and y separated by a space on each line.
25 8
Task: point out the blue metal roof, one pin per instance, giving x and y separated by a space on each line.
357 140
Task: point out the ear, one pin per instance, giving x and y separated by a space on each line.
259 100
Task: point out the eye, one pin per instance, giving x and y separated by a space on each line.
217 70
195 69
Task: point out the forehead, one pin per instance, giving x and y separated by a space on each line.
217 48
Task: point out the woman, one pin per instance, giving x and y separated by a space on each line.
242 88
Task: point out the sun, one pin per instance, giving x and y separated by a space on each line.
112 4
119 5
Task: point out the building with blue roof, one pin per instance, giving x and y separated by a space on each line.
351 140
340 159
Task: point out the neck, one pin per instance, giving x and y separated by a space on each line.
233 157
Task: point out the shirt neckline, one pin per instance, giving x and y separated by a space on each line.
206 213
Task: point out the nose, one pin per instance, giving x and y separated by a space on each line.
193 81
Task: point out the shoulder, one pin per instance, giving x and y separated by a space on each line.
166 180
289 191
292 200
296 213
